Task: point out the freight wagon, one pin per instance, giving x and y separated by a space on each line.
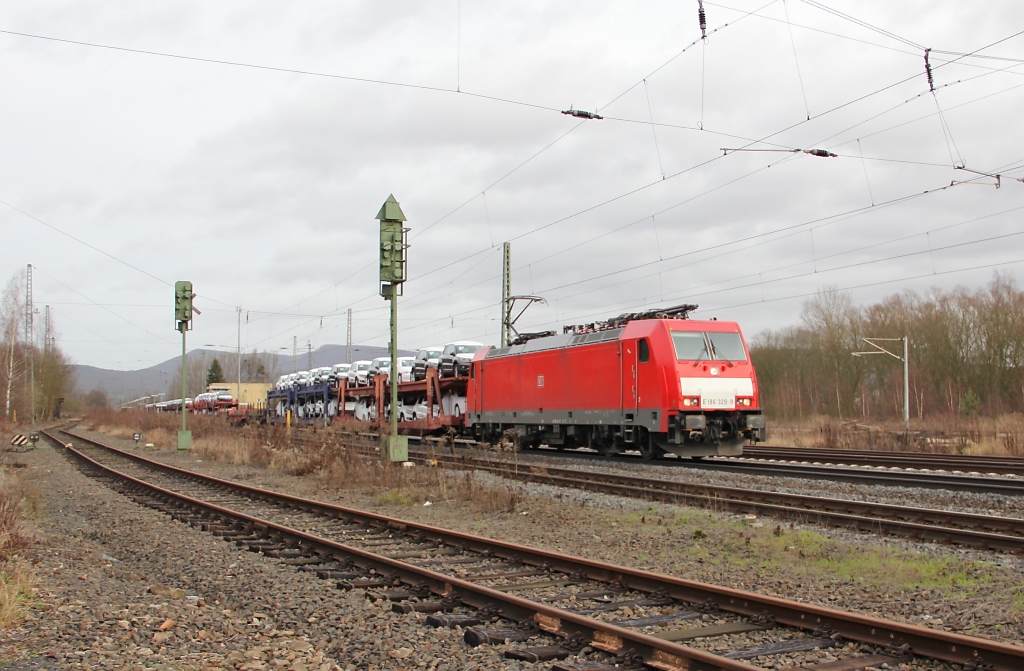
654 382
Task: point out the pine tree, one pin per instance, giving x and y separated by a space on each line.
215 373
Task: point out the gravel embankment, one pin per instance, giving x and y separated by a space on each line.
125 587
967 502
97 613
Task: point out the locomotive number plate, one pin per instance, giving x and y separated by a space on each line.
717 402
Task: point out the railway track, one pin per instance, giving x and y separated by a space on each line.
980 484
911 460
862 474
560 607
987 532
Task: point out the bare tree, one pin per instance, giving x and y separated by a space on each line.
55 380
256 366
966 354
197 369
12 312
834 326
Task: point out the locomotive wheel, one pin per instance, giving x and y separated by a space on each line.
649 451
607 449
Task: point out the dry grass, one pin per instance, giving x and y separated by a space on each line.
1003 435
16 581
340 462
158 428
17 502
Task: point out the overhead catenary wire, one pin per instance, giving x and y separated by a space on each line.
709 248
283 70
796 264
458 57
875 205
869 158
754 236
904 279
606 307
751 143
558 139
972 52
703 70
863 24
487 216
103 307
947 133
430 226
84 243
368 80
799 75
632 304
119 345
914 120
591 313
864 165
654 130
484 195
858 264
713 308
226 63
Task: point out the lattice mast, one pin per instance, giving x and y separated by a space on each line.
30 346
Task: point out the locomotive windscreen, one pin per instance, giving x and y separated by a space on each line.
690 345
727 346
693 346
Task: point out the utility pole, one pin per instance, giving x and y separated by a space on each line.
348 341
295 354
238 389
393 243
906 368
30 345
506 293
309 355
46 329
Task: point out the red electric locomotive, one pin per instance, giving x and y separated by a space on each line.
654 382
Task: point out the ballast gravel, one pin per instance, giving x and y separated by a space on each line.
121 586
102 554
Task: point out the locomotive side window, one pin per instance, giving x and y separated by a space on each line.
644 351
690 345
728 346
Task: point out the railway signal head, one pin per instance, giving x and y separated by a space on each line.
183 301
392 246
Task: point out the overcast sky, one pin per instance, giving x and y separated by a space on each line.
125 171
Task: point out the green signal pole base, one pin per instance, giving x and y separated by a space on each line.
394 448
185 440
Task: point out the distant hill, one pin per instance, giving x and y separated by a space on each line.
125 385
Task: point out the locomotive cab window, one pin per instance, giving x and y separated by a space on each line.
643 350
690 345
727 346
711 346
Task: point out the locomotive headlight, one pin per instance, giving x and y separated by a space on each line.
691 401
744 401
713 371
